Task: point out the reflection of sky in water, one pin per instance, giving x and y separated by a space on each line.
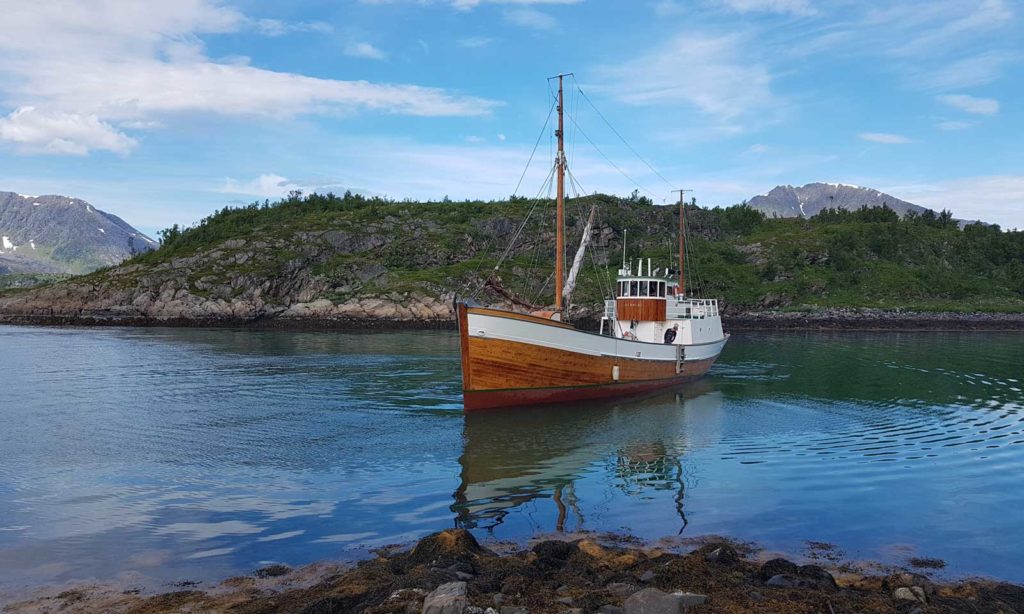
160 455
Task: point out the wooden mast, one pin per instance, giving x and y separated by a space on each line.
681 290
560 208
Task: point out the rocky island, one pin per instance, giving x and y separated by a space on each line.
352 261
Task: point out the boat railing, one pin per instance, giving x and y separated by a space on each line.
611 309
692 309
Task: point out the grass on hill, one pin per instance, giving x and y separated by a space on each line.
865 258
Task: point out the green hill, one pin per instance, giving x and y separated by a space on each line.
355 257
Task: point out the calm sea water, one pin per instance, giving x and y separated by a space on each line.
160 455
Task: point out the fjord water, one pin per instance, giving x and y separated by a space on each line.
151 456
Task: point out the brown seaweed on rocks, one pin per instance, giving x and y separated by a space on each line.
451 572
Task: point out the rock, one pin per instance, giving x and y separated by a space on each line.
783 580
448 598
821 578
514 609
910 593
610 609
450 545
272 571
561 590
553 554
756 596
621 589
648 576
564 600
776 567
724 554
653 601
688 600
908 579
498 599
461 575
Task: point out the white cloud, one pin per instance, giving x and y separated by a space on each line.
465 5
475 42
668 8
970 104
276 27
36 131
501 136
954 125
975 70
794 7
884 137
268 185
996 199
530 18
364 50
103 62
756 148
712 73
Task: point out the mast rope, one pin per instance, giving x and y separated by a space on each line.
535 146
609 161
621 138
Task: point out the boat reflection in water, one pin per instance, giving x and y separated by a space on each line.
569 461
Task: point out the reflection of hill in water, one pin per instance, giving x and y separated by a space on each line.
514 457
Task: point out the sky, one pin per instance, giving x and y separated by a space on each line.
162 112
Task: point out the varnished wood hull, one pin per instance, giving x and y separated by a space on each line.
513 359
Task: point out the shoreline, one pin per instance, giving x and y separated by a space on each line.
451 573
826 319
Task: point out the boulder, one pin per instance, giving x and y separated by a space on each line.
448 598
776 567
910 593
653 601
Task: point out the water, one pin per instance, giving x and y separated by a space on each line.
151 456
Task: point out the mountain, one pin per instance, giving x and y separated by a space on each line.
58 234
808 200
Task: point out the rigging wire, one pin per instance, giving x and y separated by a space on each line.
621 138
609 161
535 146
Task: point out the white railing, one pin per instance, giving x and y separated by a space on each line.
687 309
610 310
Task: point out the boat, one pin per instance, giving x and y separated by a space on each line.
513 358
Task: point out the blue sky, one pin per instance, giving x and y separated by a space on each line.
163 112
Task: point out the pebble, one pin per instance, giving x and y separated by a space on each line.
648 576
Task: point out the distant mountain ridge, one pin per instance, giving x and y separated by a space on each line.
59 234
808 200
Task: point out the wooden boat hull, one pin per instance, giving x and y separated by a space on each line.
511 359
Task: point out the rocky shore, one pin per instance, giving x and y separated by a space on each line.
420 312
451 573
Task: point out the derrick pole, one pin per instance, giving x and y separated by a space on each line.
560 207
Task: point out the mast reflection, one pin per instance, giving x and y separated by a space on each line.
515 458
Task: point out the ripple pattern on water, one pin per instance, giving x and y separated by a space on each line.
211 452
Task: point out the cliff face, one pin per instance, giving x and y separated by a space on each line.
58 234
237 280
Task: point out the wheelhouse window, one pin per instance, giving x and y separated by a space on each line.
634 288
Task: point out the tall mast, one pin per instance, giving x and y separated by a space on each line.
560 208
681 290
